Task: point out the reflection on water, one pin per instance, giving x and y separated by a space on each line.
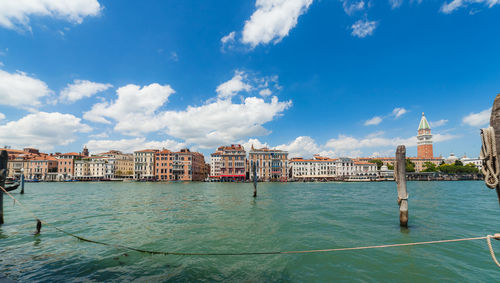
218 217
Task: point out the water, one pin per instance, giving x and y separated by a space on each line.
223 217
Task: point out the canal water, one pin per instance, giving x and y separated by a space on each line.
223 217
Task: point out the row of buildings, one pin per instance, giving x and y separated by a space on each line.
227 163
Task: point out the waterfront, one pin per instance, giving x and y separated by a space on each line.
223 217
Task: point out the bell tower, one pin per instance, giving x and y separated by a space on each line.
424 140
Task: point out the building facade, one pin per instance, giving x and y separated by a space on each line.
144 164
183 165
272 164
232 163
318 168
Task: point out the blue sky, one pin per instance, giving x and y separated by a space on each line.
339 78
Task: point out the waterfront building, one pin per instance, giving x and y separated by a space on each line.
476 161
144 164
43 168
183 165
318 168
363 168
120 165
424 140
215 165
272 164
344 166
451 159
66 165
385 173
232 163
82 169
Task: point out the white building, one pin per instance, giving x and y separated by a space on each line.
318 168
144 164
362 168
476 161
345 166
215 164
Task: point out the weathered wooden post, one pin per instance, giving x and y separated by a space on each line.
495 123
254 169
400 177
22 181
3 174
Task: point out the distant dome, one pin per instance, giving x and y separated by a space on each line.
384 168
451 159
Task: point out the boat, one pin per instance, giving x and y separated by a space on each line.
11 185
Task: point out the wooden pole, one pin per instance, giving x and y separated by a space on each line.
22 182
400 176
254 169
495 123
3 174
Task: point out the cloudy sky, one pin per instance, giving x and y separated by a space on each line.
339 78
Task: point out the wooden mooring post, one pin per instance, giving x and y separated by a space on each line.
3 175
495 123
254 169
400 177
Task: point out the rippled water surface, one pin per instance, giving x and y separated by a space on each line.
223 217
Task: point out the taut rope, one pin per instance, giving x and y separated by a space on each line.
488 154
488 237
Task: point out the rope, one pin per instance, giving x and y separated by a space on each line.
488 237
492 252
489 156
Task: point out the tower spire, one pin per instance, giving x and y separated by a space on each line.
424 139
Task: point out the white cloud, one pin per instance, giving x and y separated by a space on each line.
174 57
2 116
20 90
265 92
17 13
302 146
42 130
456 4
228 38
99 136
398 112
395 3
272 20
363 28
130 145
232 87
435 124
81 89
374 121
222 121
256 143
134 107
478 119
351 7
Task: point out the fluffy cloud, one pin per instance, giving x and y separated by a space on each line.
42 130
222 121
130 145
218 121
344 142
478 119
20 90
233 86
2 116
303 146
80 89
15 14
363 28
456 4
272 20
351 7
435 124
398 112
134 107
374 121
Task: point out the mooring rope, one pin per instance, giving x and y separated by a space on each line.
488 237
488 154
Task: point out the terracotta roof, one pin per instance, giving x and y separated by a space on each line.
147 150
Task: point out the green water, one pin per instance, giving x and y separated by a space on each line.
223 217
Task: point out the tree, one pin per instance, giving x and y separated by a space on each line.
378 162
429 167
390 166
410 166
458 163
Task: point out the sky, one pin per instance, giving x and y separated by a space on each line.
329 77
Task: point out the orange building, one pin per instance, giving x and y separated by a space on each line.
66 165
42 168
232 161
179 166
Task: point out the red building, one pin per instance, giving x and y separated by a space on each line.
424 140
